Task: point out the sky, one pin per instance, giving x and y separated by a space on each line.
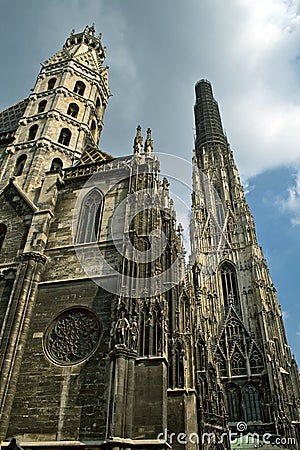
157 50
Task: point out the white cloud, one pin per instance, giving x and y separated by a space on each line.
285 314
248 49
262 109
291 203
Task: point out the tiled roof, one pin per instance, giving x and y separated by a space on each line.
92 155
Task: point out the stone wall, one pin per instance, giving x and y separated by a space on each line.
57 400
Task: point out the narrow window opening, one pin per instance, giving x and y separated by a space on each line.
20 165
90 217
32 132
93 129
79 88
98 106
51 83
73 110
42 106
56 165
229 285
65 136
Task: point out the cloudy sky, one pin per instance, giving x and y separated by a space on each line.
157 50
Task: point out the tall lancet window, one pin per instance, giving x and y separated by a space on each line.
90 217
233 402
251 402
229 285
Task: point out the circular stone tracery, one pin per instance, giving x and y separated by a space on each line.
72 336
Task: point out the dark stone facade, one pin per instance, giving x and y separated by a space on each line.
103 341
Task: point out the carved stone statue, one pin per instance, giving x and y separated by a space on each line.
134 334
122 328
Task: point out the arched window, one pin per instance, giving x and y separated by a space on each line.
90 216
251 402
229 284
32 132
51 83
20 165
233 396
42 106
3 231
65 136
56 165
79 88
73 110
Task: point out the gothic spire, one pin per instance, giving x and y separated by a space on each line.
148 143
209 128
138 141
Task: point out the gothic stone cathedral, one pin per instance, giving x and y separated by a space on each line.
108 339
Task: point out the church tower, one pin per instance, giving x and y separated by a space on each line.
107 340
96 342
63 114
239 321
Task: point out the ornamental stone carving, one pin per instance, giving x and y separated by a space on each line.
73 336
35 256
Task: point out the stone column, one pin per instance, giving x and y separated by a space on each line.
122 397
23 299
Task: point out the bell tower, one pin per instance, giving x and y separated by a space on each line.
64 112
239 320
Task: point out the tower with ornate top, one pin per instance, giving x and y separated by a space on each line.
63 114
96 349
240 325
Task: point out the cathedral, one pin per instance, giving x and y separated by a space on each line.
111 336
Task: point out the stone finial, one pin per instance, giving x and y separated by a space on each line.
138 141
180 230
165 193
90 30
165 184
149 143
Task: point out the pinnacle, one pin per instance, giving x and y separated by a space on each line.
84 47
138 141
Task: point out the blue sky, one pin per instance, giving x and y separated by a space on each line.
157 50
